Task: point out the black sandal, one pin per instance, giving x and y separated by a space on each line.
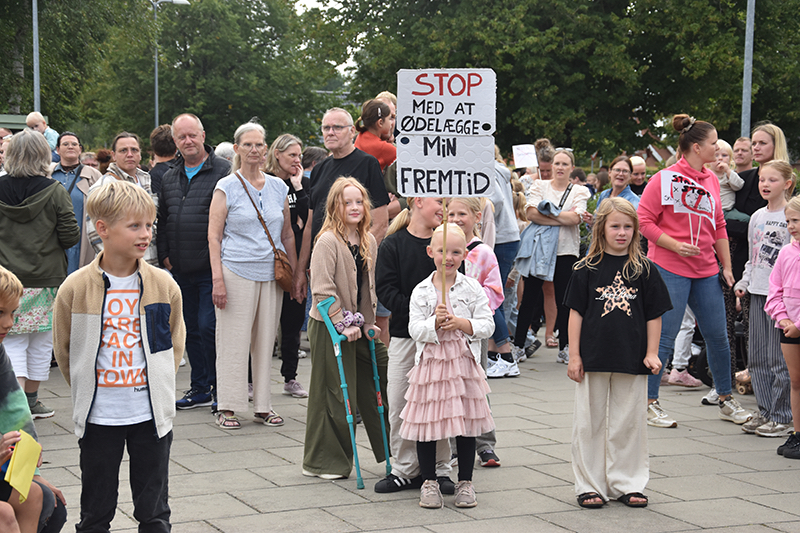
626 499
582 499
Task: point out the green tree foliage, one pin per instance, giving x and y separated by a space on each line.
227 61
70 34
591 74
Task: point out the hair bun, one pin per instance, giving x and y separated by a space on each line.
681 122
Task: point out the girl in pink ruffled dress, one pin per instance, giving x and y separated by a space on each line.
447 387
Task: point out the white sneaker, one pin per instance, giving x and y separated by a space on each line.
712 398
301 354
657 418
774 429
563 355
731 411
503 369
518 354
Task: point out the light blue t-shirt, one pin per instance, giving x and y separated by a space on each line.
246 251
626 193
192 171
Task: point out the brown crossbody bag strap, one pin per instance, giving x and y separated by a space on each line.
283 269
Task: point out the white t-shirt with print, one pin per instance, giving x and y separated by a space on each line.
122 396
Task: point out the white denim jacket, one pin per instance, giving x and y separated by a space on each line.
468 300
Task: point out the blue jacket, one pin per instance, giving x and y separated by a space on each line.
538 246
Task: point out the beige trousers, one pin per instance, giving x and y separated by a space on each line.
246 327
405 462
609 435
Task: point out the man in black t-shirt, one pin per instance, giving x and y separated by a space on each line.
347 160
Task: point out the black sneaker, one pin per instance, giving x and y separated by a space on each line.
446 485
392 483
531 348
791 448
488 458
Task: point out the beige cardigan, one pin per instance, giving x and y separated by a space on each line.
333 273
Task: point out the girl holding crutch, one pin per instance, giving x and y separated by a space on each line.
342 266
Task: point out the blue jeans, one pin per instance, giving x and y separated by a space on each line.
704 296
201 325
505 253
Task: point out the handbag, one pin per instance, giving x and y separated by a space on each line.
283 270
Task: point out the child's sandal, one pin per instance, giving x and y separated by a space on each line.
228 422
551 341
271 419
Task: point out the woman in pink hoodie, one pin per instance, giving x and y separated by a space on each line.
681 216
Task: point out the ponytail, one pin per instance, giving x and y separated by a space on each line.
400 221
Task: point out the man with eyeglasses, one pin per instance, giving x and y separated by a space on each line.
346 160
183 204
76 178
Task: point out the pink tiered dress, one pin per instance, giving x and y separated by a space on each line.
447 391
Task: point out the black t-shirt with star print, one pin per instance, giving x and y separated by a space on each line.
615 313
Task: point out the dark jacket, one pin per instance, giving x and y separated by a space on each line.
183 213
37 224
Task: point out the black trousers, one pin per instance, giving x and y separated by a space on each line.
101 456
532 306
293 314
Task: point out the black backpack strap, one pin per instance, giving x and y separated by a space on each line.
471 246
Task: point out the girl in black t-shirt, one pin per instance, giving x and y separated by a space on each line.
616 298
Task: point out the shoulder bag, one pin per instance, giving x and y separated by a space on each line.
283 270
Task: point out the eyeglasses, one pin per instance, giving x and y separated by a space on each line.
336 128
623 171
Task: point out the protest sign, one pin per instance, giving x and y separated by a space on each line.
446 119
525 156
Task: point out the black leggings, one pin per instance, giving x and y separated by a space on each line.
532 306
465 448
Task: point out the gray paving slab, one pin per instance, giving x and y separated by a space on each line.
725 512
705 475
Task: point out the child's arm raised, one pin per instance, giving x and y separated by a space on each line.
575 365
651 359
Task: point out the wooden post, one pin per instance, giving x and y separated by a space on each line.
444 251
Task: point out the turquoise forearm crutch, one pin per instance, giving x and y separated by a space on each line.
380 400
337 339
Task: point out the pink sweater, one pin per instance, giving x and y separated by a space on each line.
783 300
481 264
655 219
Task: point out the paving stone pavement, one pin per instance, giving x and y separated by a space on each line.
705 475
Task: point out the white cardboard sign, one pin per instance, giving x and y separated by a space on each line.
446 119
445 166
525 156
446 101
